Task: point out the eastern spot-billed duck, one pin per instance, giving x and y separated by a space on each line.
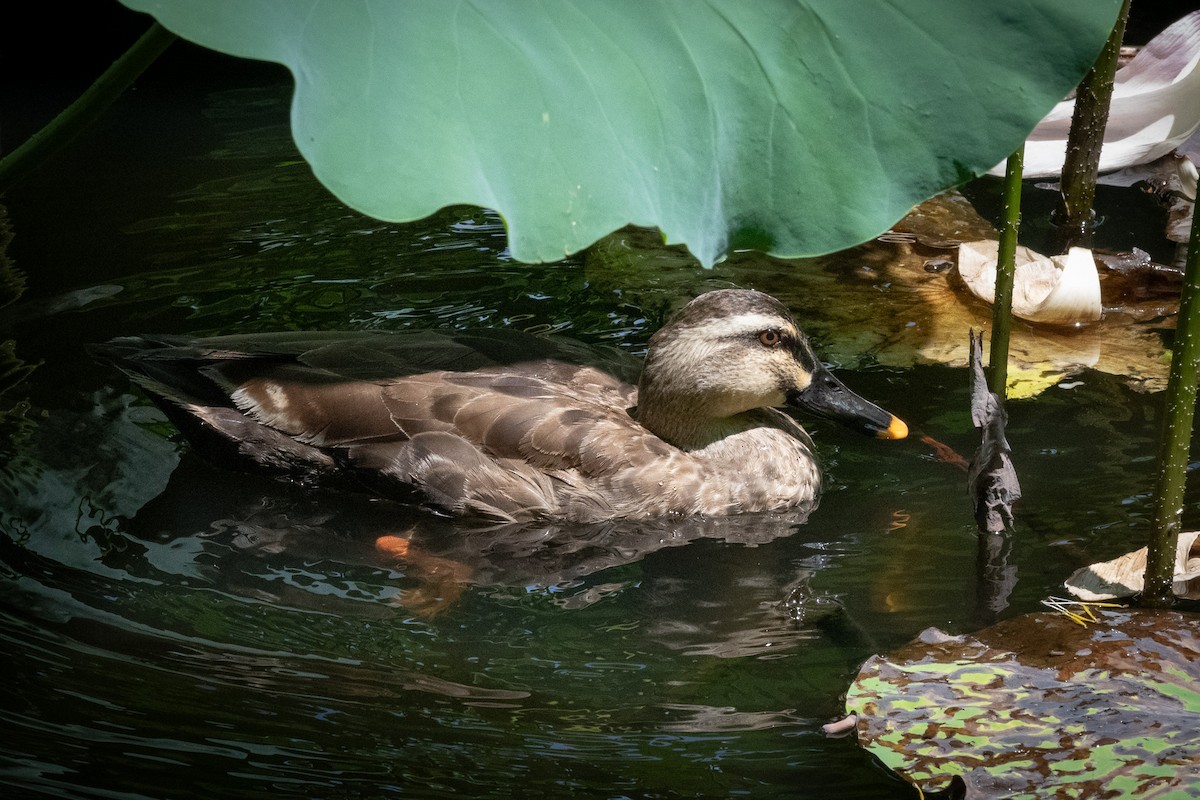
542 438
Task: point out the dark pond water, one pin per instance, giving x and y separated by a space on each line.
172 630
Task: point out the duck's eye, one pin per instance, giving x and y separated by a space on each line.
770 338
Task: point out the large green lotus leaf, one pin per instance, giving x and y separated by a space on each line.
794 126
1042 706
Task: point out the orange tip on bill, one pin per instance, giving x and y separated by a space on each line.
896 429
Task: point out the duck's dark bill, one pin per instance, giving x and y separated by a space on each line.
828 397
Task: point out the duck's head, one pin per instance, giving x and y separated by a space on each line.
734 350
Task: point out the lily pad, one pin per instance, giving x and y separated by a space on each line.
789 126
1040 706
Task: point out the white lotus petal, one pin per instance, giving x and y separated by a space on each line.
1076 296
1155 107
1124 576
1063 290
1187 175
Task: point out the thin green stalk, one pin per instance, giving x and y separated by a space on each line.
1074 216
87 109
1005 270
1177 434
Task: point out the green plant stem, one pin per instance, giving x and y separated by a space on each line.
1005 271
87 109
1177 435
1074 216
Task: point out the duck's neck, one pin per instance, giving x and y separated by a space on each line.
685 423
679 407
687 432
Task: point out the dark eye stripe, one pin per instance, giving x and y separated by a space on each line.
804 355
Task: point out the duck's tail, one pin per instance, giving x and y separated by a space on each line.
177 375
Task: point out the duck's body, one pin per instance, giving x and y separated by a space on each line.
541 438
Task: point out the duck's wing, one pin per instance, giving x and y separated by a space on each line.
539 439
500 441
534 440
548 414
553 440
494 407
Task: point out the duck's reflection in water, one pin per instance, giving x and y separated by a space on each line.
727 594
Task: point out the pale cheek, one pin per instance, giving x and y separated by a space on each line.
695 354
729 403
795 376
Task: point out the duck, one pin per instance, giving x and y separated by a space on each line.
541 436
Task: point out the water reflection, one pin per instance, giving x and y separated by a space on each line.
317 550
700 719
996 576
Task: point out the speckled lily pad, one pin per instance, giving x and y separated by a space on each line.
1040 706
